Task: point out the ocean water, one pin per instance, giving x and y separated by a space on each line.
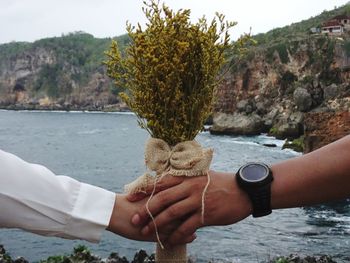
106 149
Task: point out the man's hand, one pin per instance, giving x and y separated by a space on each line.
120 222
180 198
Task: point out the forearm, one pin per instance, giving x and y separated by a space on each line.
36 200
320 176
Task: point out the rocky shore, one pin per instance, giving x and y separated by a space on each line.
81 254
48 104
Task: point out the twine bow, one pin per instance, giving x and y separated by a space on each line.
184 159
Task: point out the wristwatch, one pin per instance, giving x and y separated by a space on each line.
255 179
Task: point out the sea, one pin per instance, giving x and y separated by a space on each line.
107 149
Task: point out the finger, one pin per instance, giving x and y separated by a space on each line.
185 240
171 213
186 229
164 183
159 202
189 239
170 228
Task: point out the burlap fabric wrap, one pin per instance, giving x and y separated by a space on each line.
184 159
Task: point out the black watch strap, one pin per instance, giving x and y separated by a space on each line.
261 201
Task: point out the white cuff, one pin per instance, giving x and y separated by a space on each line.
91 213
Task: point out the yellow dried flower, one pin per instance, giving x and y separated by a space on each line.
170 70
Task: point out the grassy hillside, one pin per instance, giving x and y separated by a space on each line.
300 29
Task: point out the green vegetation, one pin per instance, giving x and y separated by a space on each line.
80 254
298 259
281 49
299 30
12 49
74 57
288 39
273 131
296 145
347 47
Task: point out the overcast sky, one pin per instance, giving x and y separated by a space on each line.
29 20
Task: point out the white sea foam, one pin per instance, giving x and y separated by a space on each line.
90 131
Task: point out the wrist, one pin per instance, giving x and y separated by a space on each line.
255 180
113 222
245 201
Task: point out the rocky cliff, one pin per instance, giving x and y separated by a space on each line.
274 86
64 73
324 128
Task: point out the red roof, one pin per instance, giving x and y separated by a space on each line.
331 23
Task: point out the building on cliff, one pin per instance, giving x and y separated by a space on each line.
336 26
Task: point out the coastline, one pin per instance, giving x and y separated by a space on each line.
58 110
267 140
315 124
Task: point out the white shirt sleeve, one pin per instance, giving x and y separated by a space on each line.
36 200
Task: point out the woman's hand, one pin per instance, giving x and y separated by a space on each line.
120 222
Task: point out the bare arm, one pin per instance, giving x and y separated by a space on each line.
319 176
323 175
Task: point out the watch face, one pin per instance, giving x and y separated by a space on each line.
254 172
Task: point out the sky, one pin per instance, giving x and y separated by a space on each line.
30 20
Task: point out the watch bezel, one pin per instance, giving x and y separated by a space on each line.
267 179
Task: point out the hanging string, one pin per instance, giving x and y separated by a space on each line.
203 196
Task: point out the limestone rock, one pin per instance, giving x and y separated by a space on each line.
288 126
288 130
237 124
241 105
247 106
302 99
331 91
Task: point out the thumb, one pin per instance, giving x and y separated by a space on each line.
136 196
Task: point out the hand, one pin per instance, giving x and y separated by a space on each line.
120 222
181 198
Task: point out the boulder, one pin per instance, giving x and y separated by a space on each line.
289 126
270 117
297 117
288 130
260 107
331 92
247 106
302 99
241 105
237 124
